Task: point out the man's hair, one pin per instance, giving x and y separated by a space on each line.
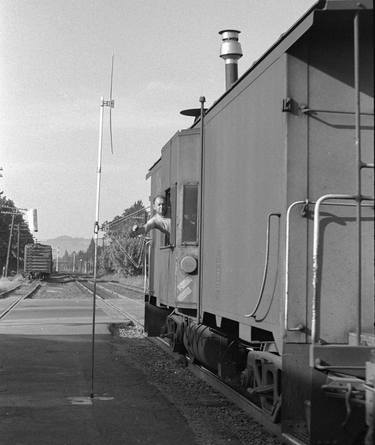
156 197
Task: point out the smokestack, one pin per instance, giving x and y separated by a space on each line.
230 51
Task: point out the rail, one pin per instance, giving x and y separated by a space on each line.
126 314
19 300
9 291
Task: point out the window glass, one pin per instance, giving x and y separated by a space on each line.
189 216
173 202
168 212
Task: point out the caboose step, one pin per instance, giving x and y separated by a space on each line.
347 359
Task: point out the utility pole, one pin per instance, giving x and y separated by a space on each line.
9 246
18 248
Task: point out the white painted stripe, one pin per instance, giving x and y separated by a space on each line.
184 283
184 294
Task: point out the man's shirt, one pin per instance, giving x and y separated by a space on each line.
160 223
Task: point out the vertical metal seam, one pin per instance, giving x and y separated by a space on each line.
358 176
308 151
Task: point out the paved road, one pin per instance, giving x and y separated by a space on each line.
45 379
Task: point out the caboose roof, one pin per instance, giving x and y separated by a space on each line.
152 168
290 37
286 41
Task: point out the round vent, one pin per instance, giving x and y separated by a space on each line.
189 264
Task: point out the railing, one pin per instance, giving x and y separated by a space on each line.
266 264
315 319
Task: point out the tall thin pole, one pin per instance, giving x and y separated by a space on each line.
202 100
96 232
359 185
18 248
9 245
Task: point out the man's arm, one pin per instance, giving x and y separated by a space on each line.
143 230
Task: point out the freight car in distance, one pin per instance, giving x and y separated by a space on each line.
38 261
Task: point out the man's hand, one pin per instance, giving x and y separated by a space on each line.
134 231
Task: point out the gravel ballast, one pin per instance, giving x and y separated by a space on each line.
213 419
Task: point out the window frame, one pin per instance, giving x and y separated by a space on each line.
169 241
185 186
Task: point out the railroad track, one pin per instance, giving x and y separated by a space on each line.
130 287
128 315
9 291
19 299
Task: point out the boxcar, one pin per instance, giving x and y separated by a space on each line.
38 260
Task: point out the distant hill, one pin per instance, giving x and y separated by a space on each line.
68 243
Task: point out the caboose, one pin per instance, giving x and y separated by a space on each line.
267 276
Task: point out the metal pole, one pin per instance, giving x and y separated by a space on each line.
359 185
202 100
9 245
18 248
96 232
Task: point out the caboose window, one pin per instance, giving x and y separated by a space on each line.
190 211
170 197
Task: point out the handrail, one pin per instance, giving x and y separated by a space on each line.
146 267
315 328
287 237
266 263
306 202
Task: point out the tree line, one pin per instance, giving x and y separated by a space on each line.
14 235
119 252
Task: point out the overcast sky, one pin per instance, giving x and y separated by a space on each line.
55 59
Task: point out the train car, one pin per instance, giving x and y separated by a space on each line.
274 289
38 261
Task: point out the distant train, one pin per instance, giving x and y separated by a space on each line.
267 276
38 261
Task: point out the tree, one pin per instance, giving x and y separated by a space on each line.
7 210
122 253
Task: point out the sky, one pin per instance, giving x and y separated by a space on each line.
55 63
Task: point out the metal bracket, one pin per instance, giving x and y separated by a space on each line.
108 103
299 328
287 105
